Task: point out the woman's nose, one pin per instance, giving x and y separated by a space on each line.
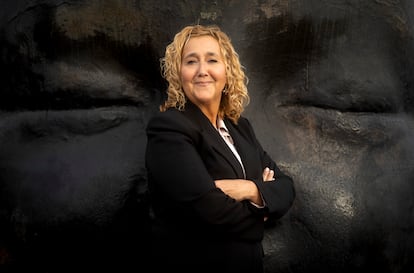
202 69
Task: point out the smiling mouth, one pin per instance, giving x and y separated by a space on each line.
202 83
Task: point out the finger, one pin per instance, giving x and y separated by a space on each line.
269 176
265 173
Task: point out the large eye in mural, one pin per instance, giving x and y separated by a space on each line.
78 56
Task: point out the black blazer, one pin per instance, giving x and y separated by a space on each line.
184 155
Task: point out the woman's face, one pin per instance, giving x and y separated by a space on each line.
203 72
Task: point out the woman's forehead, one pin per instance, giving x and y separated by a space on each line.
204 45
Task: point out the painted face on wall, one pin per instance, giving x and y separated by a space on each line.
332 101
333 79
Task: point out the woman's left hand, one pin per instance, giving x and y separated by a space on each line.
268 175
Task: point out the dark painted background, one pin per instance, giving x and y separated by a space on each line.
331 83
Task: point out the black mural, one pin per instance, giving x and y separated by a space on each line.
79 80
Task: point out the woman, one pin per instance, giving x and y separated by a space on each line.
212 185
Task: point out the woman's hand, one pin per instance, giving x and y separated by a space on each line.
268 175
239 189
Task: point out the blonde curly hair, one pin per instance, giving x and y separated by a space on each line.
234 99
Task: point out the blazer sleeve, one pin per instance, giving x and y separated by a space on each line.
176 170
279 194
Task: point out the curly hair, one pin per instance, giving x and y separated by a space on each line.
233 100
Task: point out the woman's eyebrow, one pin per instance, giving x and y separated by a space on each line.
194 54
189 55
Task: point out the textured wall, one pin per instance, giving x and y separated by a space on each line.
332 101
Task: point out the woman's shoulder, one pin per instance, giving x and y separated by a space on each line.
244 126
170 119
168 113
244 123
167 117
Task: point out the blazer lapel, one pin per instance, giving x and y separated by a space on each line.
213 137
245 150
223 149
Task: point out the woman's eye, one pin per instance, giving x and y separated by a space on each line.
212 61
